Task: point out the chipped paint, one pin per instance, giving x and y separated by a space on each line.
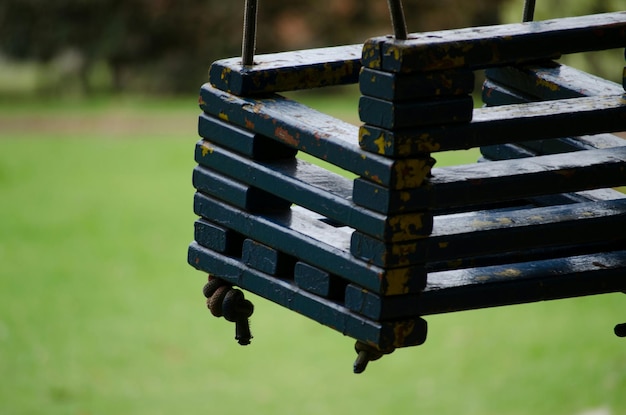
509 273
546 84
249 124
398 284
381 144
206 149
284 135
402 330
223 116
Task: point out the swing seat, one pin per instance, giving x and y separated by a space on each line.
537 218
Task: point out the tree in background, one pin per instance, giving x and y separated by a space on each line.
167 45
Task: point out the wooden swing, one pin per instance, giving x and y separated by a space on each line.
536 219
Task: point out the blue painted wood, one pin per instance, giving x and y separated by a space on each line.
425 112
314 188
401 333
304 235
499 285
319 282
254 146
483 47
551 80
243 196
480 233
320 135
508 284
267 259
400 87
218 238
504 124
484 183
288 71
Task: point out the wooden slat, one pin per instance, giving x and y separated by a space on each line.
552 279
318 281
401 87
288 71
482 47
302 234
312 187
247 143
403 333
244 197
504 124
500 285
482 183
218 238
320 135
550 80
425 112
482 233
267 259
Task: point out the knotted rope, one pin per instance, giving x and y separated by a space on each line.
225 301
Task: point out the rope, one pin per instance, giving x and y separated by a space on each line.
225 301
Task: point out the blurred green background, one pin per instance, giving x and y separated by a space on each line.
99 312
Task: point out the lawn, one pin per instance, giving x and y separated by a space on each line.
100 314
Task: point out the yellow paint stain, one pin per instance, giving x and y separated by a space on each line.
405 196
543 83
381 144
406 225
402 331
206 149
223 116
397 281
225 73
509 273
487 223
411 173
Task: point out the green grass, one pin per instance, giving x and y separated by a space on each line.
100 314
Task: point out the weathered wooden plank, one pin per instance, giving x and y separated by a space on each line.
267 259
320 135
480 233
318 281
548 81
425 112
466 289
551 80
401 87
497 181
482 47
504 124
288 71
218 238
506 152
242 141
500 285
244 197
303 234
403 333
313 187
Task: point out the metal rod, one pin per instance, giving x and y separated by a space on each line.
529 11
397 19
248 44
